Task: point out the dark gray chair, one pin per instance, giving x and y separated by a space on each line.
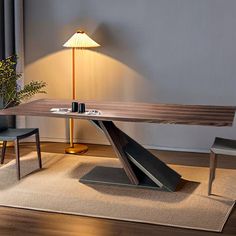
15 135
221 146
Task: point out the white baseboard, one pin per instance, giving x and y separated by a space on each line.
95 141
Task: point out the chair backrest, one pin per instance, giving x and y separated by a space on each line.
3 119
6 121
3 123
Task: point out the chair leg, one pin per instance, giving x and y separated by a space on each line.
17 152
38 149
4 145
213 160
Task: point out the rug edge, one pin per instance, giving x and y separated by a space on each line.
227 216
120 219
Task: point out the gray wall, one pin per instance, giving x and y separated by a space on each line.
171 51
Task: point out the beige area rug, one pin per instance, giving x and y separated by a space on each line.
56 189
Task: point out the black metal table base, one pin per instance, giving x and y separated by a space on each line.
140 167
115 177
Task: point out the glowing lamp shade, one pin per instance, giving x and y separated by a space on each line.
80 40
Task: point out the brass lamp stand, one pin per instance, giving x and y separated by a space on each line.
79 40
74 148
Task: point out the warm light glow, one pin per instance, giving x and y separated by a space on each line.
81 40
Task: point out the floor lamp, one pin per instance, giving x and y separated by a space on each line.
80 40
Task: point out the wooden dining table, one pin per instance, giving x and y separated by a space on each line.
141 168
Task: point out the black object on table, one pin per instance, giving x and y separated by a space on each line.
81 108
74 106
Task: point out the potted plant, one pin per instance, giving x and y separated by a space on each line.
11 93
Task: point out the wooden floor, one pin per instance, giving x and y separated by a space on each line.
19 222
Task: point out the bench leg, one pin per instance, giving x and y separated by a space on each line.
38 149
4 145
213 160
17 152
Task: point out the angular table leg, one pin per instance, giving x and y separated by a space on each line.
141 167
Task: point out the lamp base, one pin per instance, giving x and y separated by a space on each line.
77 149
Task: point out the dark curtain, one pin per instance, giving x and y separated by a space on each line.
7 42
7 28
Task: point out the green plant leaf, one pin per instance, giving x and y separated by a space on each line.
10 92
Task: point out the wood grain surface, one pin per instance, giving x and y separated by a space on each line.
133 112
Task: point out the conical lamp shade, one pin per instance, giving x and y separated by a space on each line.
80 40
